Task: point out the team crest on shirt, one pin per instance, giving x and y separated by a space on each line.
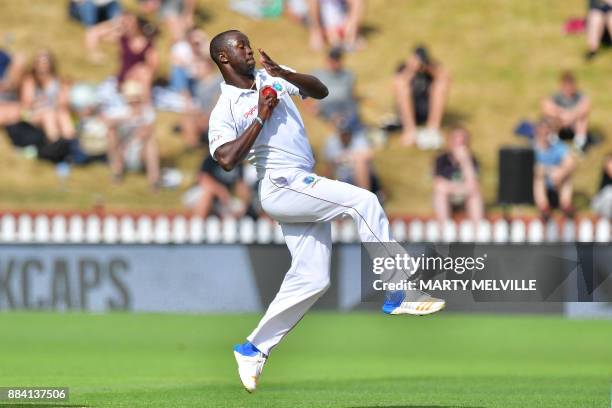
277 86
308 179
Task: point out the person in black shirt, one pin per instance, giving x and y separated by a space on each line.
219 191
421 90
456 179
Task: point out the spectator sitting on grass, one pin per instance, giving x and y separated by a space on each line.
44 99
341 102
131 138
602 202
100 17
598 19
554 167
570 108
421 90
218 191
92 130
12 71
348 157
335 23
206 93
456 179
193 75
138 57
183 54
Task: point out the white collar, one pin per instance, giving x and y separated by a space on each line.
235 93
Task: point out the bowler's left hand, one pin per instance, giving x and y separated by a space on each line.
271 67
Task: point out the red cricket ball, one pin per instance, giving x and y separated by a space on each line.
268 90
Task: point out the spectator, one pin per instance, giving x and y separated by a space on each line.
44 99
456 179
206 93
219 191
598 19
100 17
348 158
183 54
131 138
421 88
178 15
193 77
554 167
12 71
335 23
341 103
602 202
92 130
138 58
570 108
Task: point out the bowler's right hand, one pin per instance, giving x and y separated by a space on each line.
266 105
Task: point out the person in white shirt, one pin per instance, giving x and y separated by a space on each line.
266 128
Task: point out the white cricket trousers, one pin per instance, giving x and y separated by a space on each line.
304 204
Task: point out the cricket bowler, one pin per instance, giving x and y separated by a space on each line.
251 122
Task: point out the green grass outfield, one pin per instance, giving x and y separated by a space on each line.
329 360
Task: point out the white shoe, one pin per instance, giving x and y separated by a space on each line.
413 302
250 365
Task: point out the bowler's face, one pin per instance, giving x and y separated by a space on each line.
239 53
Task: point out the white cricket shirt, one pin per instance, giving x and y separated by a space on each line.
281 143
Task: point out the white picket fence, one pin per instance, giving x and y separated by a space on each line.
179 229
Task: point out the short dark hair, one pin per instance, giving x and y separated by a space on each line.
217 44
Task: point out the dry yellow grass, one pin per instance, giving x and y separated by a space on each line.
503 55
